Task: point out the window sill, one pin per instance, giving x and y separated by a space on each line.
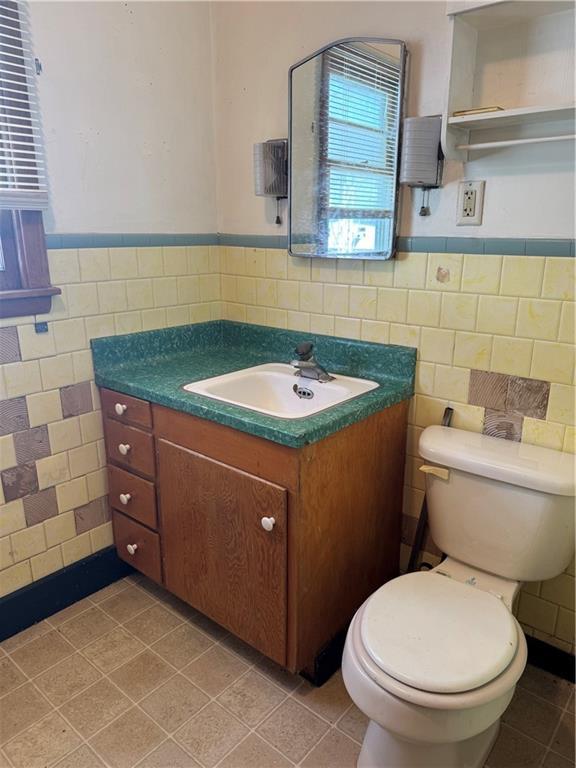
27 301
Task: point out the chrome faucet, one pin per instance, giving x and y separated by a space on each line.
307 365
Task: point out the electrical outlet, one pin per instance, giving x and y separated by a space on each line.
470 203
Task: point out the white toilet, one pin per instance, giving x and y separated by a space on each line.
433 658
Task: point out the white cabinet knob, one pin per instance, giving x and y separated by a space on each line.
125 498
268 523
120 408
131 548
124 448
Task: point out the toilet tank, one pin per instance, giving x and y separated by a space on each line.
504 507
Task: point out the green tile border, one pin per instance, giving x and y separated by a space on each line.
489 245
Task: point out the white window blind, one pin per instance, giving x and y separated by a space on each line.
23 182
361 147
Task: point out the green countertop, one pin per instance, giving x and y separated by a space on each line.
153 365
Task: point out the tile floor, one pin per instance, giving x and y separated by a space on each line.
133 677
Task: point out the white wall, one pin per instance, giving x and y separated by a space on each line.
126 102
529 191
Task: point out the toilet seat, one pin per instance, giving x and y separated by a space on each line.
438 635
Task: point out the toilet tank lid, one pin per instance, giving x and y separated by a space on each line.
529 466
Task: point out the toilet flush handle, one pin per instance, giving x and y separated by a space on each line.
440 472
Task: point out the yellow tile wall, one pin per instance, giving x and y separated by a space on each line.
509 314
104 292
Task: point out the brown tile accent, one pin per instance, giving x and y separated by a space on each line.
113 649
19 481
504 424
169 754
182 645
354 723
9 345
66 679
20 709
253 751
141 675
488 389
214 670
251 698
515 750
13 415
43 743
95 707
125 741
330 701
211 734
91 515
86 627
40 506
293 729
174 703
563 741
10 675
76 399
152 624
39 654
552 760
532 716
32 444
126 604
334 751
528 396
81 758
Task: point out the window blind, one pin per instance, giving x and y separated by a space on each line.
23 182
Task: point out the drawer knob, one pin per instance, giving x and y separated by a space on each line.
124 448
268 523
120 408
131 548
125 498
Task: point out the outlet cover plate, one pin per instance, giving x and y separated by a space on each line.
470 203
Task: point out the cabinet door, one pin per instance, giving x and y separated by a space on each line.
217 555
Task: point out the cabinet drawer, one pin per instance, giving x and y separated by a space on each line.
132 495
129 410
137 545
130 447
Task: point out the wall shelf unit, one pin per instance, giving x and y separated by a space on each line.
517 55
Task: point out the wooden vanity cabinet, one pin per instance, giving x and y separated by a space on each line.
278 545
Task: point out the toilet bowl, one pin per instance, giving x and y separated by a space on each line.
433 658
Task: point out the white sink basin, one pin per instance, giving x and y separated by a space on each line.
273 389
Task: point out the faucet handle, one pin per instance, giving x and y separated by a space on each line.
304 350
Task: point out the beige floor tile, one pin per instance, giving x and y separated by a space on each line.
543 684
72 610
86 627
211 734
19 709
182 645
153 623
109 591
113 649
515 750
286 680
248 654
4 763
31 633
169 755
126 604
570 705
293 729
206 625
174 702
532 716
10 675
43 743
552 760
254 752
127 740
141 674
215 670
251 698
39 654
66 679
95 707
329 701
563 741
353 723
334 751
83 757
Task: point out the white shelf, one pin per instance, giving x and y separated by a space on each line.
477 146
518 116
